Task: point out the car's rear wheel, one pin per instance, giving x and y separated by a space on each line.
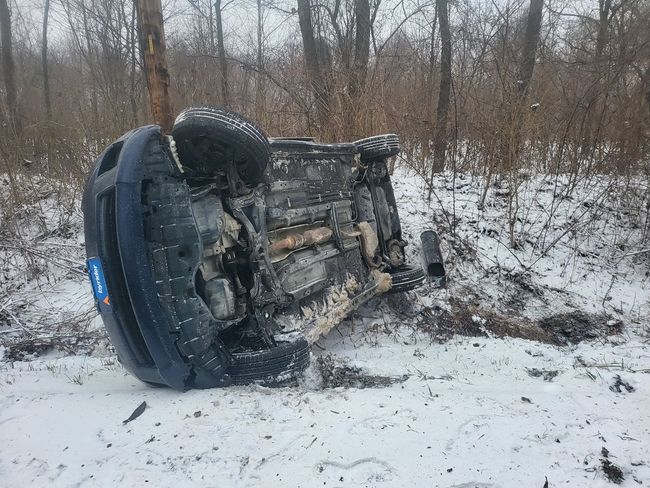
378 148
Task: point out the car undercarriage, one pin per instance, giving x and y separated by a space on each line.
218 255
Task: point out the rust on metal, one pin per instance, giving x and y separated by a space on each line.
296 241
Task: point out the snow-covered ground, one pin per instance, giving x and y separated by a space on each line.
469 415
459 411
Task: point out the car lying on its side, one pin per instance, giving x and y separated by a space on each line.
217 255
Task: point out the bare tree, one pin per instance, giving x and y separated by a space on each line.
210 25
432 63
259 74
221 50
361 48
313 64
588 80
46 72
442 111
512 145
531 40
515 99
314 53
607 9
8 67
90 61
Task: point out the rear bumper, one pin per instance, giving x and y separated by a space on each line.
115 243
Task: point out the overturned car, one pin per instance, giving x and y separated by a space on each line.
217 255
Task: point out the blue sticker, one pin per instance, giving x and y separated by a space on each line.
97 279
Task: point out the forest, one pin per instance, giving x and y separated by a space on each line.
485 87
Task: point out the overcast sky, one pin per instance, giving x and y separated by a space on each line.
240 17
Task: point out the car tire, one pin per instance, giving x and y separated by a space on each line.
406 278
208 138
270 367
378 147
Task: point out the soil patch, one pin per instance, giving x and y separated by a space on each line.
546 374
620 385
612 472
473 321
577 326
335 375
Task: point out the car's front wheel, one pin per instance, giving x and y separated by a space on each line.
213 139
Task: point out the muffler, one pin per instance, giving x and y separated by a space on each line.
433 262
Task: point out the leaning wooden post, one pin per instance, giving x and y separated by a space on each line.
152 43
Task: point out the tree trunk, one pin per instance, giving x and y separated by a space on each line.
133 81
211 28
361 48
359 70
601 74
602 38
259 77
8 67
223 65
442 111
533 27
312 63
90 60
646 83
46 73
432 65
153 47
511 146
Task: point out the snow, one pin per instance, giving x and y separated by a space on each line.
472 411
459 418
577 244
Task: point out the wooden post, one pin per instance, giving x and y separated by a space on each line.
152 43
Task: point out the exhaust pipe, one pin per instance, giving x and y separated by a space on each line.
433 262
